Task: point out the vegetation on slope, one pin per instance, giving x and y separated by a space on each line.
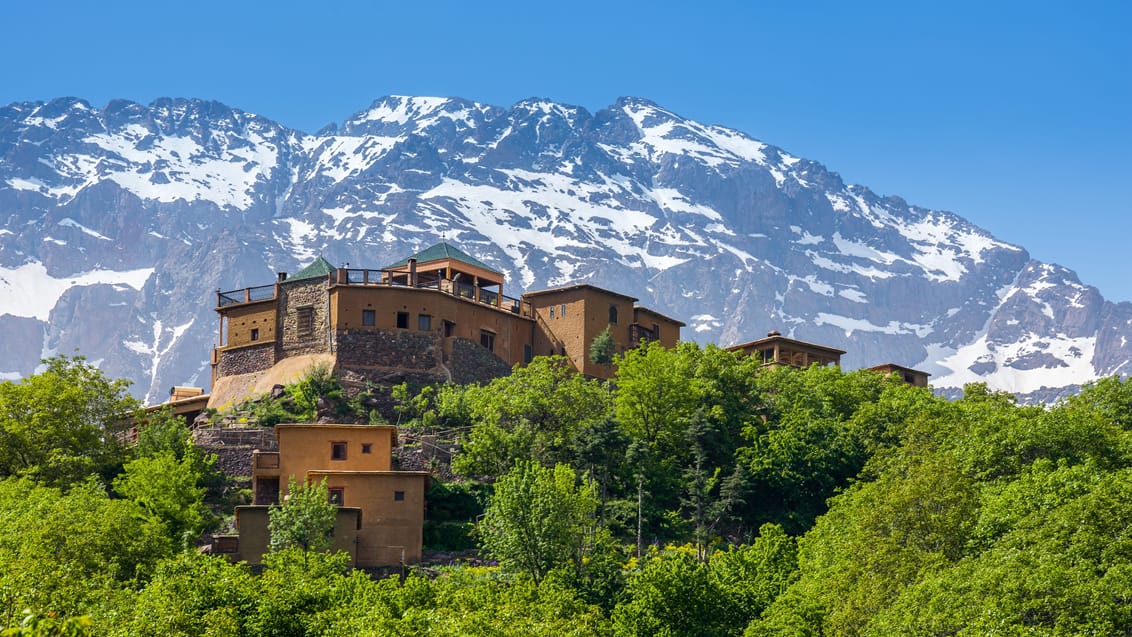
696 495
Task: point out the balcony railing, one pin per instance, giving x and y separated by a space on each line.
245 295
382 278
379 278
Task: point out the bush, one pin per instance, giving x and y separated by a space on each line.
449 536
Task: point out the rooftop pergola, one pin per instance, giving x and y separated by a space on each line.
447 268
776 349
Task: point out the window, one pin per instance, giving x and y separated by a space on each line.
424 322
369 318
399 496
449 328
562 310
337 495
255 333
337 451
768 355
304 320
367 447
613 315
402 320
551 311
487 339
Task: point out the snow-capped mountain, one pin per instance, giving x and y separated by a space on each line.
118 224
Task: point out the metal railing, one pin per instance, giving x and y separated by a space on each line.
245 295
383 278
379 278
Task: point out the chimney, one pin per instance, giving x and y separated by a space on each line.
773 333
282 276
412 273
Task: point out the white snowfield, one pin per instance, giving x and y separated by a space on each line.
549 216
29 291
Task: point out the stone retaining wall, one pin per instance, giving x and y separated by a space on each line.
473 363
400 349
245 360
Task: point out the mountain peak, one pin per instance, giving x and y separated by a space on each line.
131 217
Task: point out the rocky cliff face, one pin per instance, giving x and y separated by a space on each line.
118 224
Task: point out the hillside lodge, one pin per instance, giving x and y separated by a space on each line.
439 315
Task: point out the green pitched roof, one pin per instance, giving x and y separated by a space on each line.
445 251
319 268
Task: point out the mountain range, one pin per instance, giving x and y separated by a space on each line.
118 225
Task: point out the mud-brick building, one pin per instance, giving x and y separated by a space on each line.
381 511
438 315
913 377
777 349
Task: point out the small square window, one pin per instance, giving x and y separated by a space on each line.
367 447
337 451
337 495
402 320
399 496
255 334
424 322
369 318
487 339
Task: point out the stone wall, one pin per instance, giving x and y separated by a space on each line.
245 360
401 349
306 293
472 363
233 447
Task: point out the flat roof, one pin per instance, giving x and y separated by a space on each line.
884 366
641 308
334 425
362 472
782 339
578 286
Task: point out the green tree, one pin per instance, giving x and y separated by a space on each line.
305 520
168 489
538 519
536 413
67 553
63 424
603 348
674 595
33 625
192 594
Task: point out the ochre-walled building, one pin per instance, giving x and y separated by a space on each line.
381 511
913 377
776 349
439 315
570 318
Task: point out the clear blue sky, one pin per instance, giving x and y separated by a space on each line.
1015 115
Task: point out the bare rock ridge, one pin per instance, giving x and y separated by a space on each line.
118 224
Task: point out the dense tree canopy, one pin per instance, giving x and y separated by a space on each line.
64 424
762 501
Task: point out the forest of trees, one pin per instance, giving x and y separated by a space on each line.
696 494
